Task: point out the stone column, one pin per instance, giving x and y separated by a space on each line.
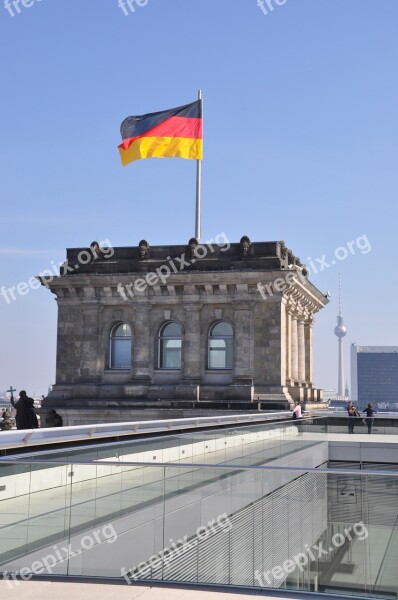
282 342
191 350
243 343
294 348
309 369
301 349
288 341
141 369
68 356
242 387
89 343
188 388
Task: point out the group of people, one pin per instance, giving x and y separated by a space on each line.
26 417
354 414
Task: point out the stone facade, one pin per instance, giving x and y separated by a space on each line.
260 289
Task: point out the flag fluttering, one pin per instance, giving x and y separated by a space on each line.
176 132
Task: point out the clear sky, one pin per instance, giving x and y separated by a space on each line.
301 133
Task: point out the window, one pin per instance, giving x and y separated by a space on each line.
170 346
120 347
221 341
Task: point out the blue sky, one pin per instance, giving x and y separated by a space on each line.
301 133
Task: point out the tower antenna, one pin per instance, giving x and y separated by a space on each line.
340 331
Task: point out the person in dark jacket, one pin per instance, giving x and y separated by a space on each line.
353 414
54 419
26 417
369 420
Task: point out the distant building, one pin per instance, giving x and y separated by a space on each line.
335 401
374 376
329 395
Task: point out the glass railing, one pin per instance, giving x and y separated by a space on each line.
380 425
324 530
252 444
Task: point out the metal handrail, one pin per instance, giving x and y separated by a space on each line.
330 414
201 465
56 435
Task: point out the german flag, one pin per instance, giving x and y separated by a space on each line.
171 133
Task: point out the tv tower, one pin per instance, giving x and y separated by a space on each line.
340 330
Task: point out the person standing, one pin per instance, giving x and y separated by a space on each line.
352 415
26 417
297 414
369 419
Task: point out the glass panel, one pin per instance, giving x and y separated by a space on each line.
196 525
217 358
122 330
121 505
222 328
34 513
120 353
170 351
171 330
221 346
220 353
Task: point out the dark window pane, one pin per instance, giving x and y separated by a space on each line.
120 353
171 330
222 328
122 330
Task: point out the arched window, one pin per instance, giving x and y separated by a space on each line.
170 346
120 347
221 339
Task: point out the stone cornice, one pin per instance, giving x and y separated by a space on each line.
215 287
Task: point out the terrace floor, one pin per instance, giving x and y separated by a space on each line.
59 590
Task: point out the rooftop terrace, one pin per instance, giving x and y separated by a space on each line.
243 508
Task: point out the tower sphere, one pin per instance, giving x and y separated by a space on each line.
340 330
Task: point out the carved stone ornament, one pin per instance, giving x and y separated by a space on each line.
291 258
245 244
192 245
283 249
143 248
95 250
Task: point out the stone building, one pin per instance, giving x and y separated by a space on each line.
202 325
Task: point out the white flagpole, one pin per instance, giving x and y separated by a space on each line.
198 216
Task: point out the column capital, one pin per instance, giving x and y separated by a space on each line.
291 306
298 314
304 314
